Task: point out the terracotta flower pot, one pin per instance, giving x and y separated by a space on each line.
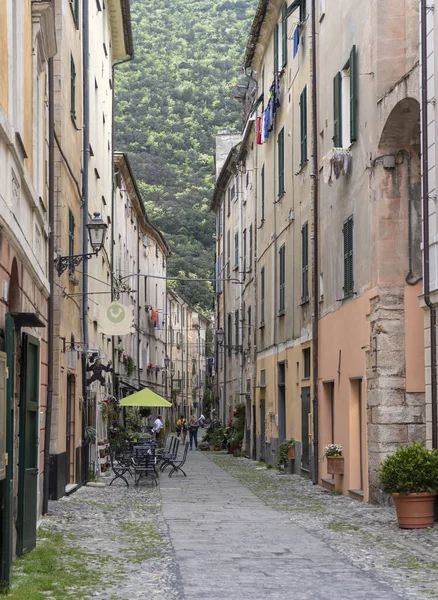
335 465
415 511
291 453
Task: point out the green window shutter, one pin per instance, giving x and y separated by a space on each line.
71 239
276 49
230 334
303 126
244 253
263 193
250 246
229 202
262 296
303 11
305 262
77 13
280 144
236 250
282 278
348 257
72 88
249 327
337 110
353 95
284 34
236 326
228 253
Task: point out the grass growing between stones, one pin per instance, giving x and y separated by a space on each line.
55 570
143 541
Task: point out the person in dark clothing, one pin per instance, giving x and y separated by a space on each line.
193 431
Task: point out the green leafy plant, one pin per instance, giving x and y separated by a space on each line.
283 448
412 469
89 435
130 365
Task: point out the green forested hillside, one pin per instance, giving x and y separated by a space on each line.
171 100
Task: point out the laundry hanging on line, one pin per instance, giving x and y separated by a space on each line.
296 40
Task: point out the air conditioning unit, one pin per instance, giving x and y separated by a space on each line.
262 378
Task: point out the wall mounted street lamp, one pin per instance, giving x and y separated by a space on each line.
97 232
220 338
166 362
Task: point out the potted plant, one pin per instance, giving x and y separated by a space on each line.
335 460
410 475
286 452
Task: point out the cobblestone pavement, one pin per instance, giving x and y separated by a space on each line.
364 536
126 540
234 530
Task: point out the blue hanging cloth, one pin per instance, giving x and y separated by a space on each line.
296 39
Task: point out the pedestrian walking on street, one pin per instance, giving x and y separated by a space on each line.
202 421
193 431
158 426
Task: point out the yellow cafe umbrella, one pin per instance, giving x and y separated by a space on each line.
145 397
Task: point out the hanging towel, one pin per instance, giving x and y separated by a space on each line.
296 39
266 121
259 130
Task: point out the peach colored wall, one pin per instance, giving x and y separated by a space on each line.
414 339
345 331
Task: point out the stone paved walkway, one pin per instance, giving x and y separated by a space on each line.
234 530
230 545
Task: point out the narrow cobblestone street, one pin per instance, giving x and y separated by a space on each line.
235 530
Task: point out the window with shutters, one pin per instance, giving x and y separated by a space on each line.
282 289
236 251
263 194
284 35
228 253
230 334
229 202
250 248
71 240
249 325
345 103
276 49
236 330
280 148
72 88
303 127
244 253
348 258
262 297
74 5
305 263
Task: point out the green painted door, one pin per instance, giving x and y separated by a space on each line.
28 446
6 521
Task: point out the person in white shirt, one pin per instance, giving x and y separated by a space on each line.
158 426
201 420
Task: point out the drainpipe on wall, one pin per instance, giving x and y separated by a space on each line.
51 267
315 267
138 304
224 305
425 169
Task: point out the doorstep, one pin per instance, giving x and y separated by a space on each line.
70 488
328 484
356 494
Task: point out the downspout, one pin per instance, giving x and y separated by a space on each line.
242 278
425 169
225 328
315 266
84 213
50 307
254 354
138 304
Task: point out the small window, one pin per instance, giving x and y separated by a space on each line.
72 88
262 297
306 363
249 325
230 334
348 258
236 250
345 103
236 329
229 202
276 49
280 145
244 253
263 194
284 35
303 127
282 254
305 263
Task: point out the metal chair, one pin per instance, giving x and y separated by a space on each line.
166 454
144 463
121 463
178 464
171 456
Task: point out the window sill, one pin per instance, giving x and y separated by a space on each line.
280 195
281 313
305 301
302 167
262 325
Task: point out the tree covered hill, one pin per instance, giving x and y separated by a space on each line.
170 102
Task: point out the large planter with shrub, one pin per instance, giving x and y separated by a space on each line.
410 475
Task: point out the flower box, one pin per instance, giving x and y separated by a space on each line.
335 465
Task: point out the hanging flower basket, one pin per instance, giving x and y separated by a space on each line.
335 465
